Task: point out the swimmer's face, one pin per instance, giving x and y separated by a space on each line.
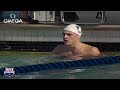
70 38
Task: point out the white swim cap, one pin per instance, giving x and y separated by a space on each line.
74 28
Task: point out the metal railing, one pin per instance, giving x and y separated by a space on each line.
101 20
44 16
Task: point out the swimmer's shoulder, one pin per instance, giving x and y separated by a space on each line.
87 46
92 49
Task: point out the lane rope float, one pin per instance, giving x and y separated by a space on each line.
64 65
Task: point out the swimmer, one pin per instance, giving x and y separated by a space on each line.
73 48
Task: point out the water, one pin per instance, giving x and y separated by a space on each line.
12 59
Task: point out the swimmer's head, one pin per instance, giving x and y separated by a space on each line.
73 28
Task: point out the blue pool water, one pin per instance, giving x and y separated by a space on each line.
13 59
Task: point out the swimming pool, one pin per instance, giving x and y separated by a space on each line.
20 58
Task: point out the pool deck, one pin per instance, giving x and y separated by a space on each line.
52 32
54 26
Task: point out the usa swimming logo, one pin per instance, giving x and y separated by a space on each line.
9 72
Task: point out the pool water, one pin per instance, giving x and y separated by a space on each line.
19 58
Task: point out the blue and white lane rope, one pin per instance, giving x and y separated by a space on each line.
65 65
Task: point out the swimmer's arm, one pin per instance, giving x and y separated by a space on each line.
58 49
95 51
